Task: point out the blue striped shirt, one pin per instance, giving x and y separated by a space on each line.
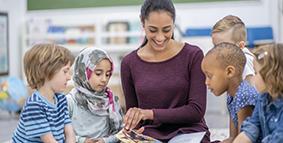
40 117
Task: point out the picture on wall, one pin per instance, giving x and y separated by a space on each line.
4 48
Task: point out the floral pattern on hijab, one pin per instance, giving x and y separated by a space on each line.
98 103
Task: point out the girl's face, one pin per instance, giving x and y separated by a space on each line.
58 83
158 28
257 79
101 75
215 75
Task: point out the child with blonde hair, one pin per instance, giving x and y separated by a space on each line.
45 117
223 66
266 123
232 29
95 112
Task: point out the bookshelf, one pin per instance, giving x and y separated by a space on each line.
117 36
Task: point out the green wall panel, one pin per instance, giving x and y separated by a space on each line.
66 4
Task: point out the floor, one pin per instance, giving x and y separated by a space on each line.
8 123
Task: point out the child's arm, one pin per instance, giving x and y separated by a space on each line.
68 129
120 115
276 135
48 138
250 129
118 126
69 134
242 115
233 132
242 138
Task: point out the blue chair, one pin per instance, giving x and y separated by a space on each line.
259 35
255 35
191 32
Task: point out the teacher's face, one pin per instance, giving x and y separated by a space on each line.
159 27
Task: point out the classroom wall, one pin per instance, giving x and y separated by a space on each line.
253 13
188 15
16 10
279 12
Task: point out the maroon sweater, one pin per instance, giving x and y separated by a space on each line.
175 90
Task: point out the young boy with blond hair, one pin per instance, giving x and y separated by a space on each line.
232 29
45 117
223 66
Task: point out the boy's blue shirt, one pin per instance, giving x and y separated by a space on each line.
266 123
40 117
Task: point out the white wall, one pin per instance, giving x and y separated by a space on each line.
206 14
253 13
16 10
280 19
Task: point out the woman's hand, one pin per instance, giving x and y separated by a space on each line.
135 115
139 131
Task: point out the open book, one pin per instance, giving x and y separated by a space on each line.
134 137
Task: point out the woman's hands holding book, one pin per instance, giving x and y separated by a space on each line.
135 115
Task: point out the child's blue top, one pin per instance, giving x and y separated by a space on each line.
39 117
266 123
246 95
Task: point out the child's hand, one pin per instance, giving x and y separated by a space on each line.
99 141
90 140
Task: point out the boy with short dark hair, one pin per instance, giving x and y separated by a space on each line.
223 66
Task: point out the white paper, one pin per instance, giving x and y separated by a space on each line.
190 138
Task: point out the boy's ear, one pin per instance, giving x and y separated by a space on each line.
242 44
230 71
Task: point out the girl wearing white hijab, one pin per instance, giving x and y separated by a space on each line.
96 114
